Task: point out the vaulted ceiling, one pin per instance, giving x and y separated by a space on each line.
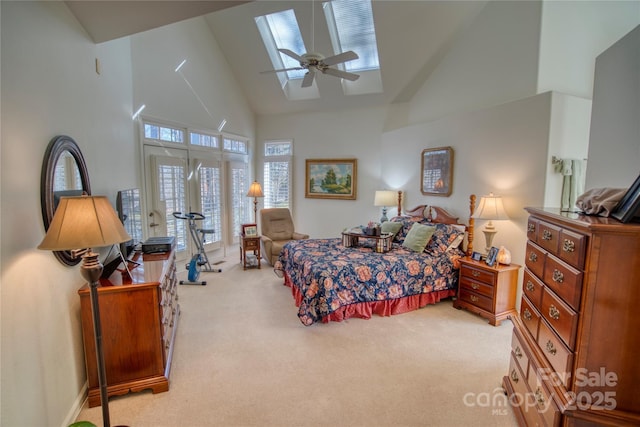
412 38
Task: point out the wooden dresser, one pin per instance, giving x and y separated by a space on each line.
576 341
139 317
487 291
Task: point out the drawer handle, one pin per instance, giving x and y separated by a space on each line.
558 277
473 298
554 313
518 352
568 245
475 273
546 235
529 286
531 228
475 286
527 314
514 376
539 397
551 348
533 257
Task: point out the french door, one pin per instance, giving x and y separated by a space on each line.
177 183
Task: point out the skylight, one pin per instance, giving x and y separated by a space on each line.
351 27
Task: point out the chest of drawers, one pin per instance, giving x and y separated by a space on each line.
139 317
487 291
575 341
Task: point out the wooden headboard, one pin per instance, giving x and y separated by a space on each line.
439 215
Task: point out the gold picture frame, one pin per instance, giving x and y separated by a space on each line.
331 179
436 172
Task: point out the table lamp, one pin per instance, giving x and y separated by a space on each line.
87 222
255 191
384 198
492 209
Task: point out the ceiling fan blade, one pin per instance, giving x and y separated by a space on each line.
308 78
283 69
341 57
292 54
342 74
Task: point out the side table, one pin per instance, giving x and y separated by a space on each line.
487 291
249 244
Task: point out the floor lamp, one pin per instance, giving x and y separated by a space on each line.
255 191
87 222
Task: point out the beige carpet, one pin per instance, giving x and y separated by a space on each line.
243 358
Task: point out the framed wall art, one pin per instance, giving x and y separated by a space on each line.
436 171
331 179
629 206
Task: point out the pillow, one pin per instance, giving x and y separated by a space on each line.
407 222
418 237
391 227
444 235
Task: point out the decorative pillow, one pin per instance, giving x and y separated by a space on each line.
407 222
418 237
444 235
391 227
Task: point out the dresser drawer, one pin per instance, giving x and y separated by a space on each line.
477 274
518 353
522 398
532 287
560 317
251 244
558 355
476 299
572 248
544 404
532 229
565 281
548 236
530 316
534 259
477 287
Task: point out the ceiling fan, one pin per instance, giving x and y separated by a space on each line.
314 62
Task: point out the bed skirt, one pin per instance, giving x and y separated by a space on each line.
364 310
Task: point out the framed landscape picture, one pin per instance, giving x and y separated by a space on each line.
331 179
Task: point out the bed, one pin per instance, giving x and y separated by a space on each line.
331 282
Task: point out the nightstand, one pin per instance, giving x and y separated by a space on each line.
249 244
487 291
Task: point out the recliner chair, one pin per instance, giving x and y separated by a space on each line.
277 229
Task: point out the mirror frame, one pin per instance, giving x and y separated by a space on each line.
56 148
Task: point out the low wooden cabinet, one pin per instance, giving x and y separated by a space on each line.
575 342
487 291
249 244
139 317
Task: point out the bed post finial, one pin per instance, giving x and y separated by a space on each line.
472 221
399 202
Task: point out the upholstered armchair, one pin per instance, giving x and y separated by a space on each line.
277 229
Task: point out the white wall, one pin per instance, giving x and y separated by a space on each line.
494 61
50 87
572 34
202 93
614 152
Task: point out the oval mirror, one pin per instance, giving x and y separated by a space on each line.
64 173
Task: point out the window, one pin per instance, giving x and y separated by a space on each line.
235 145
163 133
277 174
204 140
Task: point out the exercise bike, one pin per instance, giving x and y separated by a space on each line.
199 261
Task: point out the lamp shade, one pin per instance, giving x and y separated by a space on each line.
491 208
385 198
83 222
255 190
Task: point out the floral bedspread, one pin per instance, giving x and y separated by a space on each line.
329 276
